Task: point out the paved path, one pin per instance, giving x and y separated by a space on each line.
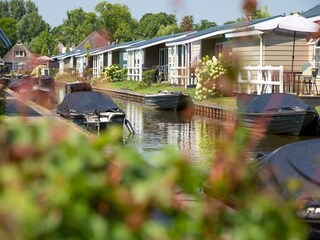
18 106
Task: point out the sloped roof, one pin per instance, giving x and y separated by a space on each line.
95 40
155 41
4 39
10 56
112 47
312 12
73 53
215 31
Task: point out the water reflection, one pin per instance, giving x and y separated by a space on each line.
196 137
156 129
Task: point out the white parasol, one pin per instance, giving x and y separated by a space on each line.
45 58
294 24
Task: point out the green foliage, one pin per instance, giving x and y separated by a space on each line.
9 27
17 9
37 70
204 24
73 187
112 73
117 19
43 44
215 77
3 70
31 7
167 30
148 77
87 46
30 26
3 100
78 25
150 23
4 9
124 33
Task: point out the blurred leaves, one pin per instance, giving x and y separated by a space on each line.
58 184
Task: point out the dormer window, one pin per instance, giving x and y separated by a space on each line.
19 53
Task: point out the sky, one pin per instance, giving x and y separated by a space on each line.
218 11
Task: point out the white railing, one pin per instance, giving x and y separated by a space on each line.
260 79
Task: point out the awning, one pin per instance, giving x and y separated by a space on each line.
243 34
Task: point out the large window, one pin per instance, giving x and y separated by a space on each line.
181 56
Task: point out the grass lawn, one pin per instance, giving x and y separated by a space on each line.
134 86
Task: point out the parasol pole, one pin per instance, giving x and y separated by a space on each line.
292 61
293 48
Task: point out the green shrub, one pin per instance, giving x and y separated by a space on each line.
37 70
112 73
148 77
58 184
4 70
3 101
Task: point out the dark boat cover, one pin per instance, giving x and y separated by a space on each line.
275 102
300 162
294 172
86 102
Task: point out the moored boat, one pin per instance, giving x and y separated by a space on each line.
165 100
280 113
292 172
40 89
77 86
93 110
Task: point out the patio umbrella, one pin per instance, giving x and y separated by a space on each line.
45 58
296 23
292 24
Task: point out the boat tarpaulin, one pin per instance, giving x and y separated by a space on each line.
297 162
275 102
87 102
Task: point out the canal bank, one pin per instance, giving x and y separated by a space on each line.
21 107
206 110
201 109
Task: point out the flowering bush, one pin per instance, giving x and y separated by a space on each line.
37 70
112 73
213 76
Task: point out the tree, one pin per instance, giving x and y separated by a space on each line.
261 13
9 27
31 7
204 24
251 12
30 26
150 24
17 9
78 26
230 22
167 30
44 44
4 9
187 23
115 18
124 33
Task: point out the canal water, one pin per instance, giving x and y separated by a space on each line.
196 137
